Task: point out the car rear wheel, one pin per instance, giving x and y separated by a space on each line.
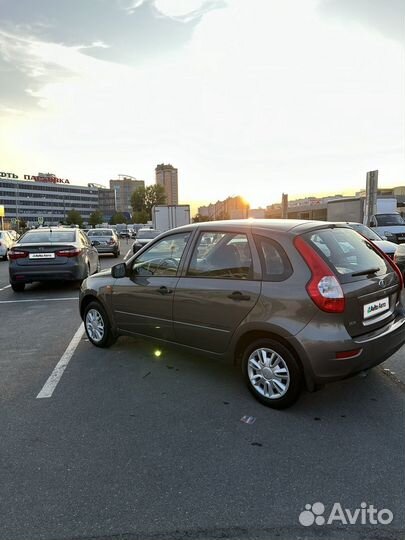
272 374
97 325
18 287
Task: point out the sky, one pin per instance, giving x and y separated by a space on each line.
244 97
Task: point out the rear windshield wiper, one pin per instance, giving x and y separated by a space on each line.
366 272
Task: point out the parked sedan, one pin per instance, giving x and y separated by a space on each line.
295 303
6 243
49 254
105 241
387 247
143 237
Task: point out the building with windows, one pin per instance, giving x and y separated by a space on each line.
230 208
167 176
44 199
123 187
106 201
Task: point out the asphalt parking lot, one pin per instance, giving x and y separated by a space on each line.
130 445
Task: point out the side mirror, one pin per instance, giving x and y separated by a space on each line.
119 271
372 223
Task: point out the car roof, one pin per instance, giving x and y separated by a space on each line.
58 229
298 226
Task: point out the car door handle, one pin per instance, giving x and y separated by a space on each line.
164 290
238 296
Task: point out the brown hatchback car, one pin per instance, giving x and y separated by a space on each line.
295 303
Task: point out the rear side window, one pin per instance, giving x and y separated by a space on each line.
39 237
221 256
275 263
348 253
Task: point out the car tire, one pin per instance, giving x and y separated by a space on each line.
5 255
97 326
18 287
116 253
272 373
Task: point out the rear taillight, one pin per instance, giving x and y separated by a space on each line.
68 252
16 254
323 288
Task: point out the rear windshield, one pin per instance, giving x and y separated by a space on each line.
100 232
39 237
348 253
148 234
385 220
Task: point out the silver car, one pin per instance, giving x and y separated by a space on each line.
6 243
105 241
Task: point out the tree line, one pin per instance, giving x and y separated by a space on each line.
142 201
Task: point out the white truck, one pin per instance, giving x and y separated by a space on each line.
166 217
386 222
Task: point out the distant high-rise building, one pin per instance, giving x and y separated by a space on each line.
123 187
166 176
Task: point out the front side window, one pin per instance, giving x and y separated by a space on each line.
221 256
163 258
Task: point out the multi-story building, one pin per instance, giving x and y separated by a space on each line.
123 188
44 199
230 208
106 201
166 176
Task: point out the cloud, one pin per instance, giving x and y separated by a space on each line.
257 102
386 16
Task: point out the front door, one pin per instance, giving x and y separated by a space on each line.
143 301
216 293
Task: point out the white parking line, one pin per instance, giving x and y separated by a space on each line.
4 288
55 376
37 300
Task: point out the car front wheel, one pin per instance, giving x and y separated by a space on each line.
97 325
272 373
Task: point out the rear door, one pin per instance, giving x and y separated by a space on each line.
217 291
369 282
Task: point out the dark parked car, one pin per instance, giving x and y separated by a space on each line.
143 237
295 303
58 254
105 241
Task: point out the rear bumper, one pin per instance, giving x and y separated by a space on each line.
29 274
319 357
107 249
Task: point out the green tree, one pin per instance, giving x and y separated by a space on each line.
73 217
140 216
144 199
118 217
96 218
198 218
